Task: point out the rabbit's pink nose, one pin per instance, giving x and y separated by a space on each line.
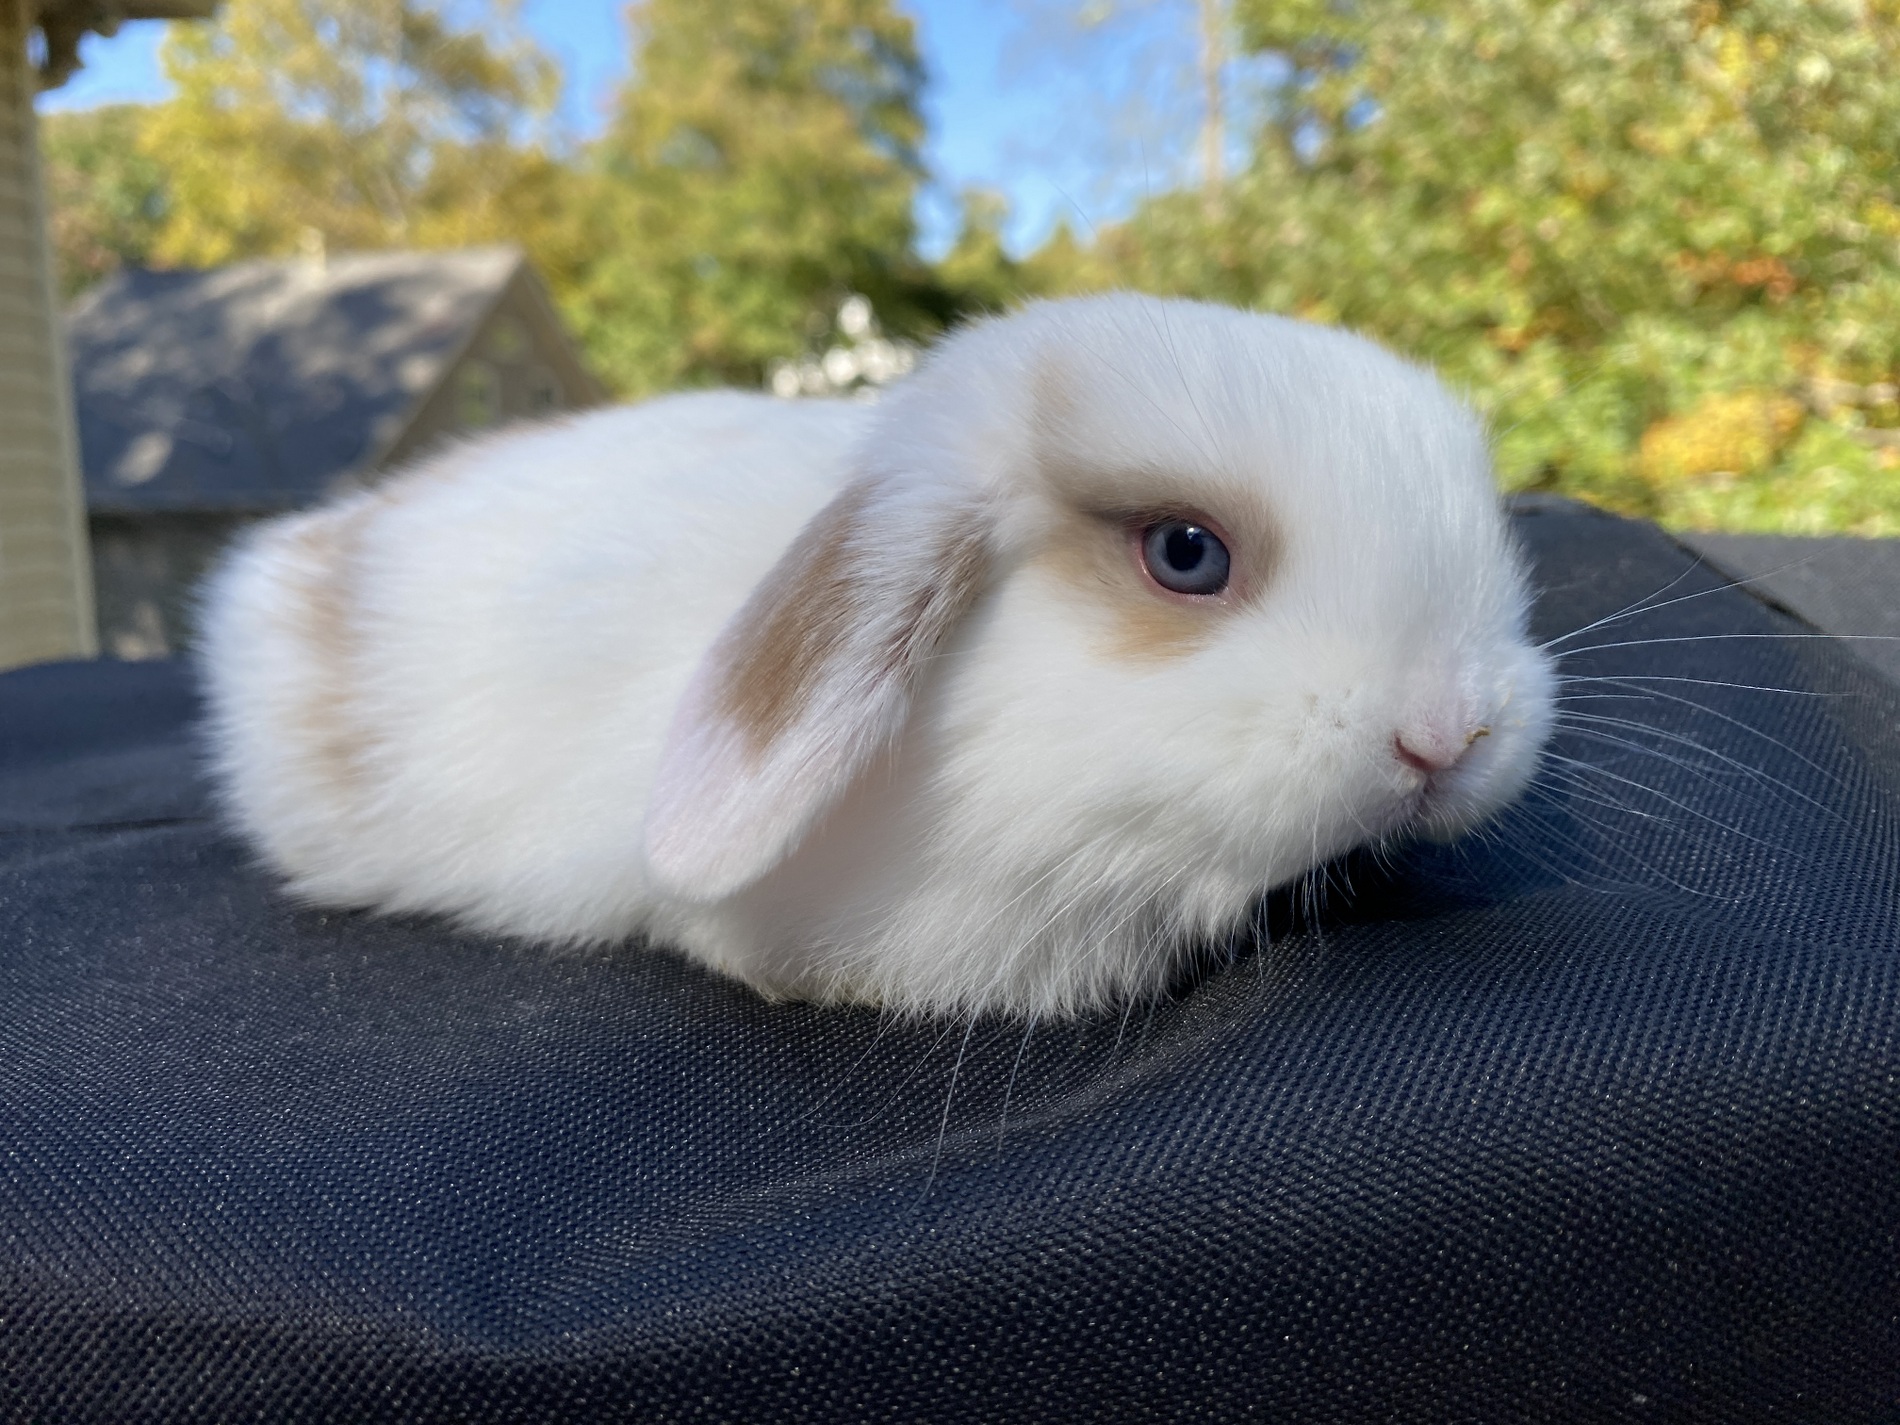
1429 750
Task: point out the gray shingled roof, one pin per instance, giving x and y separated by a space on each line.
256 386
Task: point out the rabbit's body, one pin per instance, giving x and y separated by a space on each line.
449 693
883 704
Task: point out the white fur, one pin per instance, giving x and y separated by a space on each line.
1012 816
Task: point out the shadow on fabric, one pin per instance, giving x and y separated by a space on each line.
1593 1118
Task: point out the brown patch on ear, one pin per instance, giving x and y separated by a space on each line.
939 600
819 596
809 601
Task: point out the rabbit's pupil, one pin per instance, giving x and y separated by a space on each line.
1184 557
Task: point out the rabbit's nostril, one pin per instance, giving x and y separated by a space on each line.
1427 757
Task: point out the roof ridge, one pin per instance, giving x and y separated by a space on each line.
263 381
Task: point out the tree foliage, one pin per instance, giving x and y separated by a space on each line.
363 123
107 199
762 165
1658 241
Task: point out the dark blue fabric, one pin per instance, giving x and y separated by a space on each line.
1594 1119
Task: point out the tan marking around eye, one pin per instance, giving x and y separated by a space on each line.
1090 553
1089 556
1088 549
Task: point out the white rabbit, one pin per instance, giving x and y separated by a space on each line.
1000 695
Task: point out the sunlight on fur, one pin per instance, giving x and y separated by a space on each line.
881 704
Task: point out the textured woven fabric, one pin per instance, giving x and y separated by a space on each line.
1842 584
1596 1118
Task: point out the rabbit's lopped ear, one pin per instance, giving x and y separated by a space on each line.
809 682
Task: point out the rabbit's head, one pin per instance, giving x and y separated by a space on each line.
1133 610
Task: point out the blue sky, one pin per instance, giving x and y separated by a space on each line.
1068 123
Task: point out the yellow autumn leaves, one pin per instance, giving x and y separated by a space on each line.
1656 242
1740 461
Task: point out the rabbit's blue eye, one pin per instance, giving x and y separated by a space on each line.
1185 557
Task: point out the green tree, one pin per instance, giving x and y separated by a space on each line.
978 268
761 166
366 123
107 200
1658 241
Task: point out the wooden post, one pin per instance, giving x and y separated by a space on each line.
45 563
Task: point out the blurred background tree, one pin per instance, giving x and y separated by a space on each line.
107 198
762 165
1658 242
354 123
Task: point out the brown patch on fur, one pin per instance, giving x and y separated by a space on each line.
326 547
818 598
810 605
938 603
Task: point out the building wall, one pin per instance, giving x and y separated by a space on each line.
146 569
519 365
45 578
